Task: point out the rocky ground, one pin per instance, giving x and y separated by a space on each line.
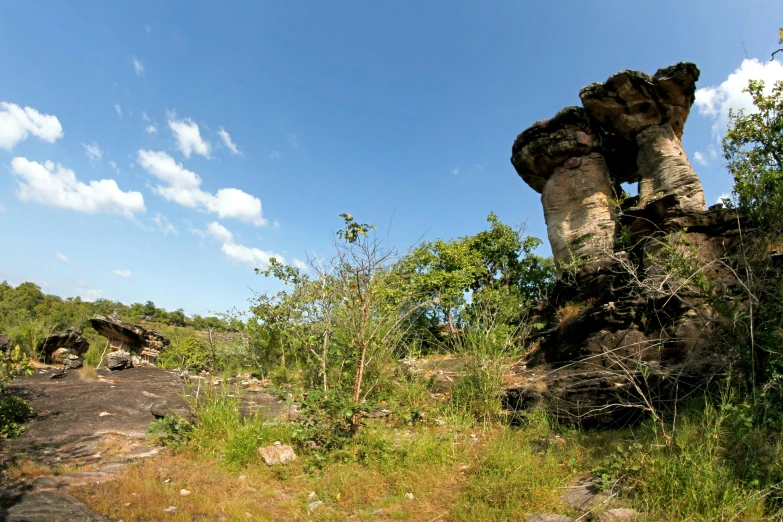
88 430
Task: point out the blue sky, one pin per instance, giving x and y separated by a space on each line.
159 150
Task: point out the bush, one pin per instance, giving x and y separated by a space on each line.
13 410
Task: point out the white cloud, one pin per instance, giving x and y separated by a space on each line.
164 225
151 129
90 294
292 140
183 187
301 265
714 102
455 171
274 154
188 136
63 258
114 166
144 116
725 195
251 256
220 232
700 159
118 109
138 66
227 141
16 123
123 273
57 186
93 151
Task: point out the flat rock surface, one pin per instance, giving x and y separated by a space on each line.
98 427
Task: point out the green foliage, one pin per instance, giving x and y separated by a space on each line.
188 353
173 431
753 148
353 231
327 421
13 410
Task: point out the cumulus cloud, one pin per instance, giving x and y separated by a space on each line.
714 102
17 123
188 136
184 187
90 294
63 258
700 159
151 129
220 232
455 171
123 273
230 145
251 256
292 140
138 66
301 265
93 151
118 109
164 225
57 186
144 116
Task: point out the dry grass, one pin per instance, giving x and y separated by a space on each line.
88 373
570 312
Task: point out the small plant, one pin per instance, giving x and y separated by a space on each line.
173 431
13 410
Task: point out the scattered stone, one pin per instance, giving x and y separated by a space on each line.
118 360
312 497
548 518
104 414
409 496
73 362
584 497
619 515
58 375
312 506
171 509
184 492
277 454
172 407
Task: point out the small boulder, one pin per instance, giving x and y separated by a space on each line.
173 407
548 518
60 355
277 454
619 515
4 343
73 362
118 360
312 506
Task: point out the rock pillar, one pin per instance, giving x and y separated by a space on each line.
648 113
558 158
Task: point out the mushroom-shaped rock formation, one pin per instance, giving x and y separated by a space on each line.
649 113
130 337
560 159
69 342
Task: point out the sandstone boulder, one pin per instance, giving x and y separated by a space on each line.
70 340
277 454
118 360
73 362
618 515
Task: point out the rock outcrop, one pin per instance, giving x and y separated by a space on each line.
57 347
130 338
628 329
4 343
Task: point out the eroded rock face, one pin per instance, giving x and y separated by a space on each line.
558 158
69 342
648 113
118 360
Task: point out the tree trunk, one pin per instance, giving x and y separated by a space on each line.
357 383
